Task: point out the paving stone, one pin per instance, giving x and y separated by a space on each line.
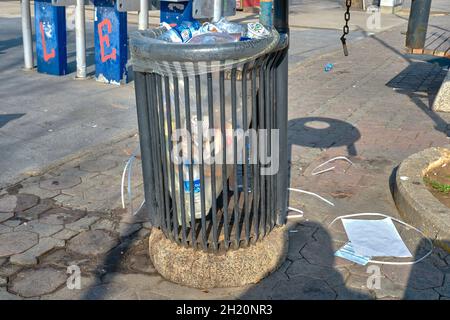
12 223
93 242
43 229
64 234
30 257
33 188
87 284
125 229
424 275
8 269
16 242
61 216
141 263
318 253
388 288
34 212
427 294
5 216
143 233
5 295
37 282
26 201
141 216
60 182
97 165
104 224
302 288
4 229
304 268
152 283
445 289
344 293
82 224
8 203
147 225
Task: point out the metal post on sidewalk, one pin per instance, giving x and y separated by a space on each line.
218 10
27 35
418 24
143 15
80 36
281 23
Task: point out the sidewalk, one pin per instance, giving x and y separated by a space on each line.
373 107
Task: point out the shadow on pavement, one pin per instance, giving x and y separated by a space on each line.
309 273
5 118
322 132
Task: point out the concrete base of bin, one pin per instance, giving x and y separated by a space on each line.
199 269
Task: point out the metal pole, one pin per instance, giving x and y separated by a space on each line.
143 15
418 24
80 34
218 10
27 35
281 23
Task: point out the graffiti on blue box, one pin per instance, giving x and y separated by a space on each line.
110 29
50 28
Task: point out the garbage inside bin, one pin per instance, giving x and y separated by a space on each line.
222 31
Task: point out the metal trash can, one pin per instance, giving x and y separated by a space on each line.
205 112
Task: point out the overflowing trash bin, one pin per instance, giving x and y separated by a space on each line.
208 123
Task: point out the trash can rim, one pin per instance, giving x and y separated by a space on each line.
145 46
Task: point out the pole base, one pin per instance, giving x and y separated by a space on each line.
234 268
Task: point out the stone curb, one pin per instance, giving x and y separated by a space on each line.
416 204
442 101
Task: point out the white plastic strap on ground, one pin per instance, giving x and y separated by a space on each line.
396 220
314 173
129 167
312 194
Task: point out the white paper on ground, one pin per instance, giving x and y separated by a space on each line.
375 238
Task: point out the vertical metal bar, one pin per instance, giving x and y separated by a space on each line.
246 155
144 140
255 166
187 109
200 157
80 40
235 150
418 24
213 165
281 23
156 156
281 89
224 158
281 16
180 165
27 35
143 15
262 122
164 157
171 165
267 140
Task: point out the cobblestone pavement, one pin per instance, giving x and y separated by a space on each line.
372 107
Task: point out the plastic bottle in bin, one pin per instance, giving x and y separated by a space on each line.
181 33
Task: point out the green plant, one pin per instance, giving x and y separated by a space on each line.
441 187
